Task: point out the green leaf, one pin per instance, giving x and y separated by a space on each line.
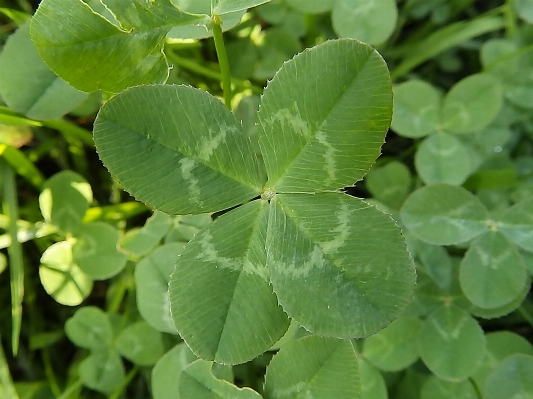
495 313
28 86
167 370
328 268
198 382
356 19
191 154
141 344
511 379
500 345
319 368
152 276
221 299
517 224
443 158
311 7
435 388
451 343
389 184
416 109
90 328
492 273
444 215
372 382
227 6
61 278
95 250
107 56
395 347
472 103
525 10
102 371
308 141
139 242
65 199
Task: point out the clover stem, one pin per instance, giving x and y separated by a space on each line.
222 59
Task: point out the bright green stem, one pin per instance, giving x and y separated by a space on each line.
5 378
16 266
510 18
222 59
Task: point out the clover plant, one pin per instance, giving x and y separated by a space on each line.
278 211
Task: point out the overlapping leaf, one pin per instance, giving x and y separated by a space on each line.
190 153
28 86
221 299
304 119
109 54
320 368
328 268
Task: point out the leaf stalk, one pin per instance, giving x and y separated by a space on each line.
222 59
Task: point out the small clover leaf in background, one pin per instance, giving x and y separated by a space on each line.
420 110
139 242
436 388
140 344
390 183
444 215
354 18
500 345
451 343
492 273
221 7
166 372
65 198
510 379
395 347
109 56
95 250
102 370
320 367
152 275
311 7
90 328
28 86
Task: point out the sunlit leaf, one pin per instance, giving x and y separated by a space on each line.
65 199
61 278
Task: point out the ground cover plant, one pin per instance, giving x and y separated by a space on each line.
203 199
